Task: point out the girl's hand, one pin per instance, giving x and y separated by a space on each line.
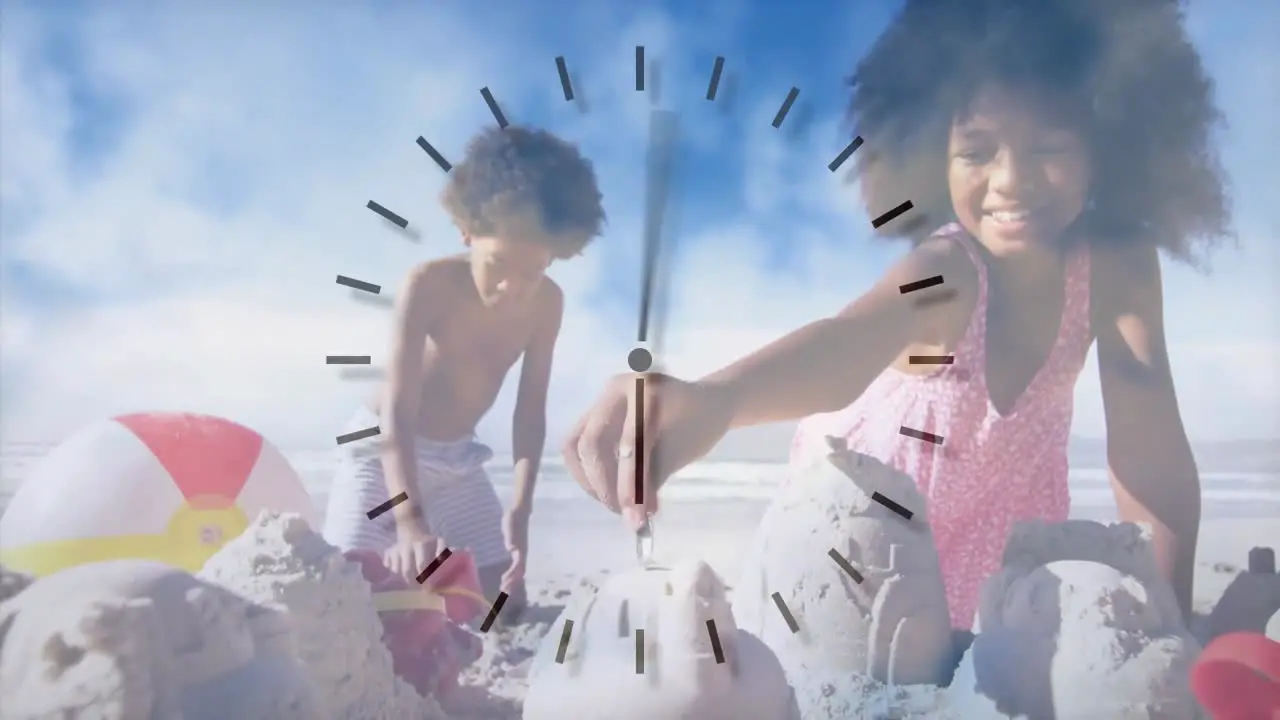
682 422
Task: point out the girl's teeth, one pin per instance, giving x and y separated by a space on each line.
1004 217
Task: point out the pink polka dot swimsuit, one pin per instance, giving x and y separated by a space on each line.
991 469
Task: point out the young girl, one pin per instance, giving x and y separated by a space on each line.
1058 145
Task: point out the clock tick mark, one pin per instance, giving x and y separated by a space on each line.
786 613
434 154
716 70
891 505
639 652
920 284
716 648
920 435
639 68
389 216
845 154
931 359
386 506
493 107
347 359
359 435
845 565
566 85
493 612
563 649
891 215
786 107
434 565
359 284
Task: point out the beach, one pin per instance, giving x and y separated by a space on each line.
710 512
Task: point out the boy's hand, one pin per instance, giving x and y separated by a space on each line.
515 528
415 548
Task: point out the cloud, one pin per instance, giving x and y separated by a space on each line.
181 187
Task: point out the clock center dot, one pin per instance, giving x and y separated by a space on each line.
640 360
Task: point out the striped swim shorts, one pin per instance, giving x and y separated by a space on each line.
461 505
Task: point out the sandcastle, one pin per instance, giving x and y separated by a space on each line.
1077 624
878 610
641 648
130 639
279 559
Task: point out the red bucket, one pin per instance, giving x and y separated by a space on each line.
1237 677
422 624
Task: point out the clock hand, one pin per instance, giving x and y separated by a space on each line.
658 169
661 156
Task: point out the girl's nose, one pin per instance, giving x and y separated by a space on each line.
1012 174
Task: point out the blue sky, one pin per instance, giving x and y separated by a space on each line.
180 182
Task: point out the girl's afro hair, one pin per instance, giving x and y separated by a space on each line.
1123 70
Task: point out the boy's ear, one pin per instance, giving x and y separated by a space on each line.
466 239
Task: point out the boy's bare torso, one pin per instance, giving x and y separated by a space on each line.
468 351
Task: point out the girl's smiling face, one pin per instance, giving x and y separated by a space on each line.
1017 177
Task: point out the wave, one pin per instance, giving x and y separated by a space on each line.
707 480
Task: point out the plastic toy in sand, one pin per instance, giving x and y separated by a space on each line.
167 487
1250 601
421 625
1237 677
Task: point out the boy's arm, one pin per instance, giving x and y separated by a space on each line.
417 307
529 425
1153 472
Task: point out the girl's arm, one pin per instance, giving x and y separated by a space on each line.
1153 472
827 364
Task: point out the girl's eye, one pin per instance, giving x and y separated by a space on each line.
974 155
1056 149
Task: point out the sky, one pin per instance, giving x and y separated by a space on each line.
180 183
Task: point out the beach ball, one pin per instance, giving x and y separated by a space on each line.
168 487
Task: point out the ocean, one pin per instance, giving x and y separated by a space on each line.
1248 494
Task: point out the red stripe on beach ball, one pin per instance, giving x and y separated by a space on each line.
205 455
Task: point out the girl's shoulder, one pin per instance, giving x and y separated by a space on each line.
950 253
955 280
1123 277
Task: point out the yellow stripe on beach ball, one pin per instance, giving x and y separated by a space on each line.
195 532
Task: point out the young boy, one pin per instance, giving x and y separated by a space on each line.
522 198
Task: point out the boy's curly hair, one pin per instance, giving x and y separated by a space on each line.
510 175
1123 72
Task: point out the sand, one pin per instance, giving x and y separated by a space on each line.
495 686
1078 605
133 639
279 559
879 610
642 647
